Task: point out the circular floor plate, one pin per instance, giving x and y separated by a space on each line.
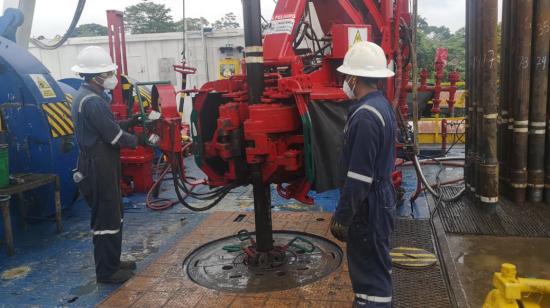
412 258
213 267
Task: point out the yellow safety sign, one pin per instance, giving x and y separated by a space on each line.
358 38
59 118
357 35
228 67
43 86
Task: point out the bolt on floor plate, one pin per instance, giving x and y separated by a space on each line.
217 268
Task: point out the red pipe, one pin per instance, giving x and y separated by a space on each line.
444 134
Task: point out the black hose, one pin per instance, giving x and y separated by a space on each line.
429 187
65 37
179 186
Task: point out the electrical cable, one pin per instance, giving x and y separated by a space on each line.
65 37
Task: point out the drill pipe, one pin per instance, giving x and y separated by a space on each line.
472 91
512 80
505 93
539 94
255 80
522 71
467 165
488 167
478 104
467 100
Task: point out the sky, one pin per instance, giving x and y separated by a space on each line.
54 16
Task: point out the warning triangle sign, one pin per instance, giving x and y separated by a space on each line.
358 38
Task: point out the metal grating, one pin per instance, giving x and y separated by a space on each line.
506 219
417 288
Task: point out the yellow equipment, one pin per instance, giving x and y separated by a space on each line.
514 292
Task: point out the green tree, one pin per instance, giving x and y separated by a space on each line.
148 17
89 30
193 24
229 21
429 38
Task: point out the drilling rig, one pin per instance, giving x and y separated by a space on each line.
280 121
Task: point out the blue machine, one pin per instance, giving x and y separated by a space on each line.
36 120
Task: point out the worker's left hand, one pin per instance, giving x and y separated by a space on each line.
338 230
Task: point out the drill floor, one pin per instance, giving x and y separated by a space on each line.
165 284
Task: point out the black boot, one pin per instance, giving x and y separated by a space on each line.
130 265
118 277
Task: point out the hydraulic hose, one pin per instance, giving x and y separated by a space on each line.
429 187
178 178
159 204
65 37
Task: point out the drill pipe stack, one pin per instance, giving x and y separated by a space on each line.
522 128
482 168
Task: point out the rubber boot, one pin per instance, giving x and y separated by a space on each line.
118 277
129 265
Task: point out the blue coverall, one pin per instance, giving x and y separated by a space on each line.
367 201
99 139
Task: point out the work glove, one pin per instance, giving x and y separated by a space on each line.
142 139
338 230
134 121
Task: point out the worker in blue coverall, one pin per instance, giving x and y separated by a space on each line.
365 212
98 172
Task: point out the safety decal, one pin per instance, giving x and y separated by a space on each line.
357 35
145 96
59 118
280 26
43 86
69 99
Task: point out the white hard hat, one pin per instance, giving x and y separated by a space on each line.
366 59
93 60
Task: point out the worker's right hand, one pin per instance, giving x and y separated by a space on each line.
338 230
135 120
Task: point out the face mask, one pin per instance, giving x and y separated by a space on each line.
348 90
110 83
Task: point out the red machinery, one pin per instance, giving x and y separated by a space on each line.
233 131
128 99
441 56
136 163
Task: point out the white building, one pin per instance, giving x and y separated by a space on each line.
151 56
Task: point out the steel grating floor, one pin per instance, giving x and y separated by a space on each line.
418 288
506 219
